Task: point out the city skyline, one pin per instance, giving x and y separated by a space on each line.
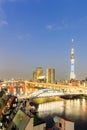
39 33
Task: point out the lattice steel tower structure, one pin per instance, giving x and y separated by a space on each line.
72 59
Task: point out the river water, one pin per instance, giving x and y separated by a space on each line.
70 109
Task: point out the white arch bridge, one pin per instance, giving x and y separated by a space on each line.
46 93
51 92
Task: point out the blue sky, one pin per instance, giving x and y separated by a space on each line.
38 33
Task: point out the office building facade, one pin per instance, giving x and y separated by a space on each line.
50 75
38 72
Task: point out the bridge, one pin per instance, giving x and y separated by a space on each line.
43 88
46 93
42 93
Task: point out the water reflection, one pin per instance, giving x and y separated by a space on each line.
50 108
73 109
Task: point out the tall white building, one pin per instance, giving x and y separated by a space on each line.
50 75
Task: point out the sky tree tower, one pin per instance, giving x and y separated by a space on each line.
72 59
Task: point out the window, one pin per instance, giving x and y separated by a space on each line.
60 125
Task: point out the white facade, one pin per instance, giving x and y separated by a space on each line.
69 125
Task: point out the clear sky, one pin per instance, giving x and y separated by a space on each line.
38 33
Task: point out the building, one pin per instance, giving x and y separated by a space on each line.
38 72
62 124
22 121
50 75
72 59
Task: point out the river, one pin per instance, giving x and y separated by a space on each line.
70 109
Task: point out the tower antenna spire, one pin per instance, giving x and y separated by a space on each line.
72 42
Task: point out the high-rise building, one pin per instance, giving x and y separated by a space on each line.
38 72
50 75
72 59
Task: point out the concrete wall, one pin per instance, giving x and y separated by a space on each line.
30 125
69 125
40 127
